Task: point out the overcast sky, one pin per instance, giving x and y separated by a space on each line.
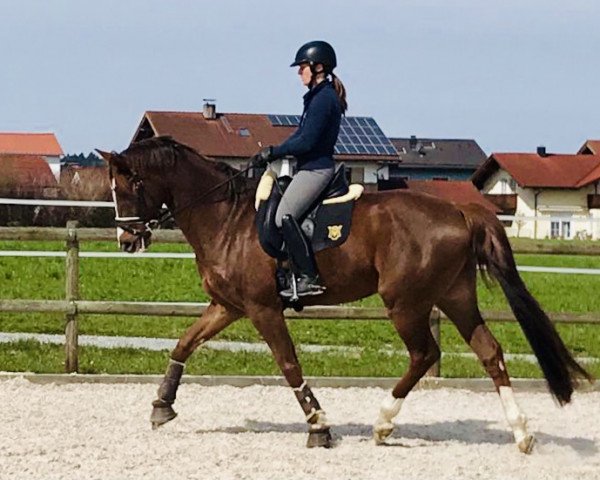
511 74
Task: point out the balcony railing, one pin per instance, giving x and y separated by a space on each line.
507 203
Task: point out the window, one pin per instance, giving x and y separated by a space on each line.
442 179
565 227
244 132
560 229
504 186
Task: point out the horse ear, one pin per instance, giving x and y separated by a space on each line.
106 156
113 158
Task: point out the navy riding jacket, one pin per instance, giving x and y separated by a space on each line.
312 144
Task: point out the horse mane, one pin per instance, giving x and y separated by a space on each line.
151 154
161 154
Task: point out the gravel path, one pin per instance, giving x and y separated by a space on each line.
158 344
98 431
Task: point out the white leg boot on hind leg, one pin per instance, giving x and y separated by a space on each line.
384 427
516 419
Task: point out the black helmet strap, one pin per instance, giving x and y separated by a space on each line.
313 70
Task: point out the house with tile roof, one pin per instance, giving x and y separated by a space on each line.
235 137
368 154
560 190
436 158
42 145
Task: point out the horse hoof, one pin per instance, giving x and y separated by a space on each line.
526 445
319 438
161 415
382 432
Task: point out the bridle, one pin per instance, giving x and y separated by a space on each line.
142 226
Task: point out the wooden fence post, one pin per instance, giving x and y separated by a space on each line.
72 293
434 324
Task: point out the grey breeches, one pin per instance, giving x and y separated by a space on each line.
303 190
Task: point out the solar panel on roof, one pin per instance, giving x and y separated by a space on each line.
358 135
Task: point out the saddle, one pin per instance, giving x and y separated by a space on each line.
327 222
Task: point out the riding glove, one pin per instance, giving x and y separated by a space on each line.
262 158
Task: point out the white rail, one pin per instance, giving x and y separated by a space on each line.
174 255
40 253
98 204
56 203
546 218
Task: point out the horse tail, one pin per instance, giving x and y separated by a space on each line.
494 257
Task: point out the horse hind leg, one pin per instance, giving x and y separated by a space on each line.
214 319
460 305
423 351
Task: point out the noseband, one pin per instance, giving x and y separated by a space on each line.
134 225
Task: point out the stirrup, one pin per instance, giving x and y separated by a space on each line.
302 288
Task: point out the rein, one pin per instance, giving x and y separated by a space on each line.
125 223
169 215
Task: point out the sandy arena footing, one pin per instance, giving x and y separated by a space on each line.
101 431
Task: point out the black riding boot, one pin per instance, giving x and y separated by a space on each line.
302 260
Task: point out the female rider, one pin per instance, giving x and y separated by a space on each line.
312 146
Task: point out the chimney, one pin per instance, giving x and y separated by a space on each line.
541 151
412 143
209 111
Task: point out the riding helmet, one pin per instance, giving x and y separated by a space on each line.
315 52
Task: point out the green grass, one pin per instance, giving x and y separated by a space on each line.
177 280
32 356
375 334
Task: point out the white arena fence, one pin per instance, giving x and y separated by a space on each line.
72 306
56 203
560 226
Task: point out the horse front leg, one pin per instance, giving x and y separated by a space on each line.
271 325
214 319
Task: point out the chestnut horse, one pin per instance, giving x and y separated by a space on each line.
414 250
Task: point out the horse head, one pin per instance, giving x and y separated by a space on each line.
138 193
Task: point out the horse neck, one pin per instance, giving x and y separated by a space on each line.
212 223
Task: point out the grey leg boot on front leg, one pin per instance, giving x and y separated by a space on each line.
318 430
162 411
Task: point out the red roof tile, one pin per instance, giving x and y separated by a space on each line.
459 192
25 172
533 170
230 135
592 176
219 137
30 144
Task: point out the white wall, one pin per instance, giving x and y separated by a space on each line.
500 183
54 164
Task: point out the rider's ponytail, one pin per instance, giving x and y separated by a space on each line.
341 92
